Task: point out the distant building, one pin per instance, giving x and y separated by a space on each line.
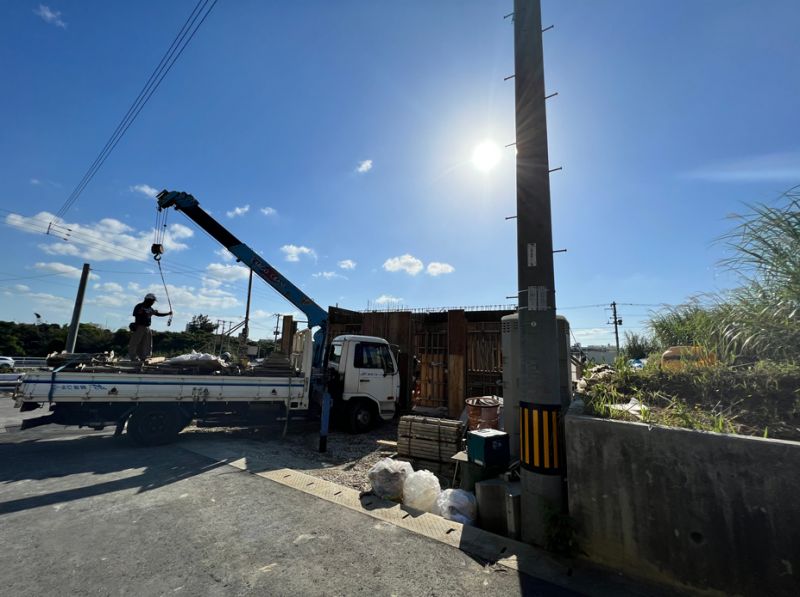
600 354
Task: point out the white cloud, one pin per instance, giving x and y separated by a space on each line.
294 252
109 287
269 211
22 288
48 15
347 264
407 263
105 240
779 167
386 299
225 254
329 275
145 189
186 300
364 166
593 336
261 314
435 268
35 181
62 269
50 300
227 273
112 300
238 211
180 232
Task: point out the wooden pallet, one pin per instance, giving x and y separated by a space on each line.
429 438
429 450
443 470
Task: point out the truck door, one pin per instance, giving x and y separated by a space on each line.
375 369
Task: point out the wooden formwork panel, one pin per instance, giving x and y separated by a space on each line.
484 358
430 349
443 357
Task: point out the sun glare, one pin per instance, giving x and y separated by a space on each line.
486 155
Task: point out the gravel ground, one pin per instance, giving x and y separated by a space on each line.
347 461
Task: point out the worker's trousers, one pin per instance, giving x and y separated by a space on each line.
141 344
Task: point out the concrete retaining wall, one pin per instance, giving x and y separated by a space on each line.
706 510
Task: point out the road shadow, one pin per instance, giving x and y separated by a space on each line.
98 464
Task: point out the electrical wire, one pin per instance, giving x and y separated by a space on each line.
168 60
580 307
26 277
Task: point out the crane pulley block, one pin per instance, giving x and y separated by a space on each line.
157 250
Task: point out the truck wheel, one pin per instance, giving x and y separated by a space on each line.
361 416
154 425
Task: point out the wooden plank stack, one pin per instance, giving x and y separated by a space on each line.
429 442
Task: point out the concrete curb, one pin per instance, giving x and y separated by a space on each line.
491 548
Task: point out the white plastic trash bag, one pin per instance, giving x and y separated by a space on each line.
458 505
420 490
387 477
192 357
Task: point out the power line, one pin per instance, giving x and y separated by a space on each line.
176 48
581 307
27 277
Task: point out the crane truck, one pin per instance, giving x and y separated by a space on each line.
357 374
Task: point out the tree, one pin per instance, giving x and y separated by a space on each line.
639 346
201 323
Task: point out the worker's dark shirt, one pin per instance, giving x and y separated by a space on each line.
143 314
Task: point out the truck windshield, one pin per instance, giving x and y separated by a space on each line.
373 356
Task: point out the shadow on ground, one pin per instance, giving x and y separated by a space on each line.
91 465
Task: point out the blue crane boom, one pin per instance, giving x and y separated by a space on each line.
317 316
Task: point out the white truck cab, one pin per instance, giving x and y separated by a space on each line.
364 379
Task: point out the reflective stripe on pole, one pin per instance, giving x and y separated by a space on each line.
539 438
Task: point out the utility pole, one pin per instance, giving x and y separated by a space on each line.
540 401
617 322
220 329
246 329
72 336
277 324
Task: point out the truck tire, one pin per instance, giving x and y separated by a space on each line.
362 416
154 425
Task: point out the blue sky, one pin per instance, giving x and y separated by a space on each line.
344 132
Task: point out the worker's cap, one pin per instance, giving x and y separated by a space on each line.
149 296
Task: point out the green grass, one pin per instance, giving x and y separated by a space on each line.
761 399
760 317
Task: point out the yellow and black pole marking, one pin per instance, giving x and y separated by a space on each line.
539 437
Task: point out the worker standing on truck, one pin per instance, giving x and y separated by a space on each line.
141 344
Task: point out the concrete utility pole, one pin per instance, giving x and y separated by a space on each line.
72 336
246 330
540 402
617 323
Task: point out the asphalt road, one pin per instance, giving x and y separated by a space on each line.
83 513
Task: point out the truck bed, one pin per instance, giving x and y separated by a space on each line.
39 387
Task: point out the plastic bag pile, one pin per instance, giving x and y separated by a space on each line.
192 357
201 361
396 480
387 477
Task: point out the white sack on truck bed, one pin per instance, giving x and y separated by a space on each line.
201 360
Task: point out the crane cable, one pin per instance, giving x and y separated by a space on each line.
157 250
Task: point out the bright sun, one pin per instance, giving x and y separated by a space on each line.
486 155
